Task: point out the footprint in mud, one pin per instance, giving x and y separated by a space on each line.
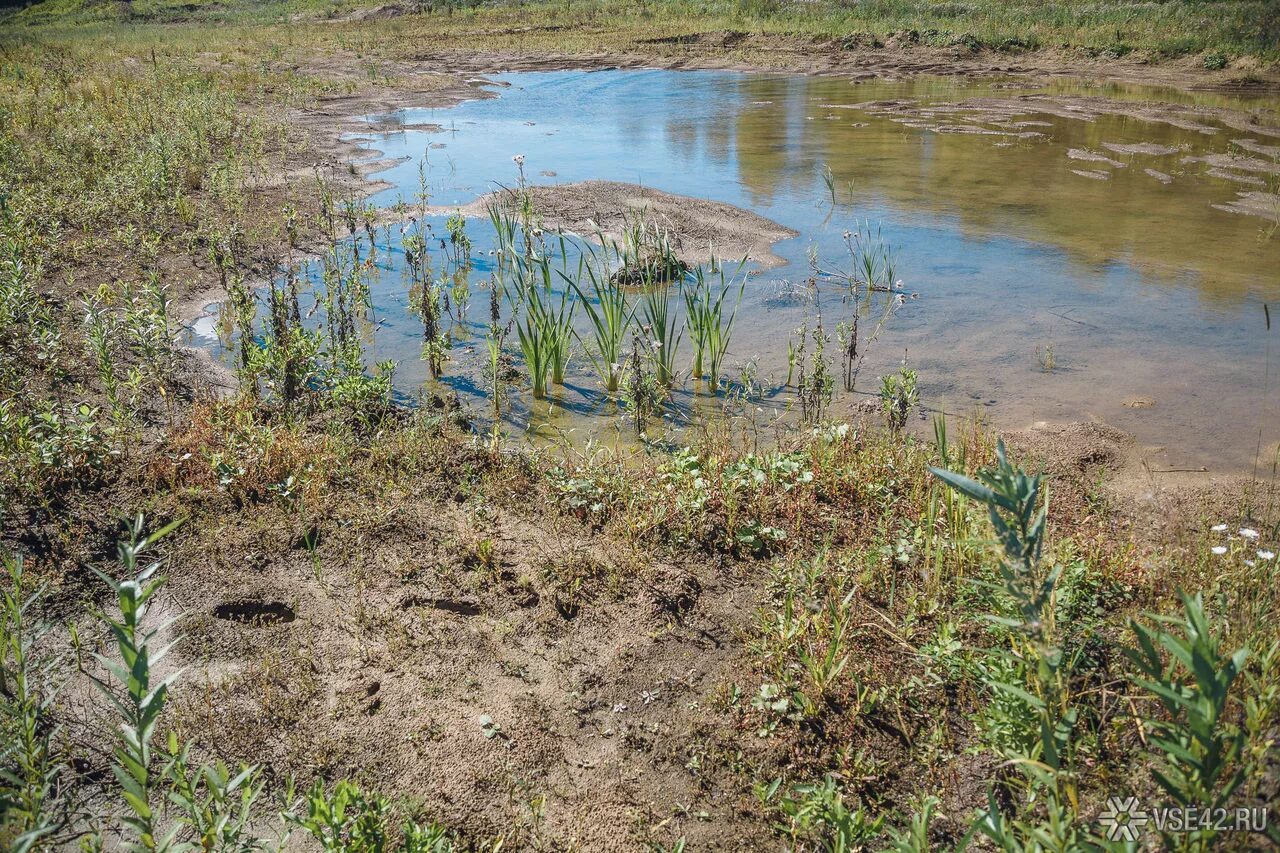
251 612
460 606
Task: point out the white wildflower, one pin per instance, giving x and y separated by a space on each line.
518 159
1218 528
1248 533
1219 549
1266 555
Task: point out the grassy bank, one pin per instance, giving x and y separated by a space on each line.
1217 33
398 632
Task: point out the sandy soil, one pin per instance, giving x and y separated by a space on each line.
697 228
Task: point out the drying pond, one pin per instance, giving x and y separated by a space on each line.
1065 253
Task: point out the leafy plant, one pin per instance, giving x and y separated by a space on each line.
30 811
141 701
1032 673
344 820
818 814
898 393
1199 744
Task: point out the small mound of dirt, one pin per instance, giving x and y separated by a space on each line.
253 612
1071 447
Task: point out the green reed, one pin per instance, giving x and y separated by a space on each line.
610 317
709 329
557 323
662 328
536 341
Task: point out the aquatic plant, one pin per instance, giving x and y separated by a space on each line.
458 247
610 317
1044 355
435 344
536 336
647 255
709 329
556 323
663 331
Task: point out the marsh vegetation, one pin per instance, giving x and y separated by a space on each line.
308 605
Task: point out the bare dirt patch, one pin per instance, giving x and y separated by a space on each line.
430 652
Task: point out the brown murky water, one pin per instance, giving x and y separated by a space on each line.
1131 232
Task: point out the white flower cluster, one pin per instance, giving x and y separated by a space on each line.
1244 539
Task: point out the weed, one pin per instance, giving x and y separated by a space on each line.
898 394
34 811
1200 745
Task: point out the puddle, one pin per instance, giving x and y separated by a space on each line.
1109 231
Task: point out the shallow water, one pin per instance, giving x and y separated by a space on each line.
1150 297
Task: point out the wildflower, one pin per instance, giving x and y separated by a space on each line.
1250 563
848 234
1218 528
1266 555
518 159
1219 549
1248 533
